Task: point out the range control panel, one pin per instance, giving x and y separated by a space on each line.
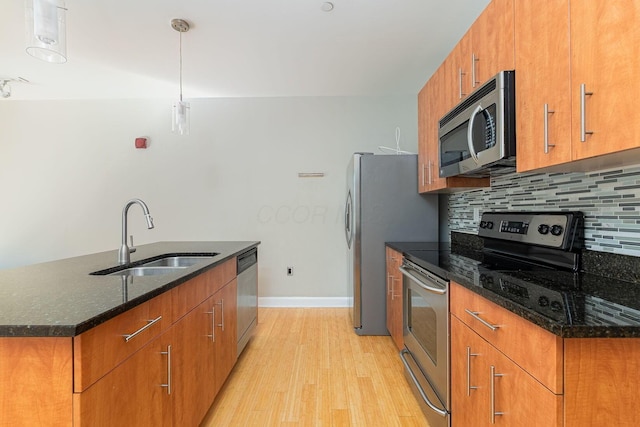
551 229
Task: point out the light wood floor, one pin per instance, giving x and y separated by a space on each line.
306 367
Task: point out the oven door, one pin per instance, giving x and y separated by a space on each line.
426 337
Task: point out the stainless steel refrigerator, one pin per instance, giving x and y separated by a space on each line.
383 205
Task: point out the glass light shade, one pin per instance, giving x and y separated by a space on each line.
46 30
180 122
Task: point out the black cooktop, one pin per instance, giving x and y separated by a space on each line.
566 303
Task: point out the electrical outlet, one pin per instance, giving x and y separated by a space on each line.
289 271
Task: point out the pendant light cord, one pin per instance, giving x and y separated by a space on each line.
180 66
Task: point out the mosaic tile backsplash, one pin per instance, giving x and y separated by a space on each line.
610 200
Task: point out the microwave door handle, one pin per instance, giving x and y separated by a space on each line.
474 156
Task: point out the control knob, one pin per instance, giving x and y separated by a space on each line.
543 229
556 230
489 225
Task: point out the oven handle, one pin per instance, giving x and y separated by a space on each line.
413 277
437 410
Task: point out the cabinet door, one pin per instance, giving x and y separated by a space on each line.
469 382
456 75
192 365
394 297
543 89
492 43
226 345
605 56
133 394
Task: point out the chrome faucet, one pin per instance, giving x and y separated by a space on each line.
124 254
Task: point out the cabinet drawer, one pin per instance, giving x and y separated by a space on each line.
220 276
537 351
99 350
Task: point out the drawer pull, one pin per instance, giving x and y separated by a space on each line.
475 314
469 386
129 337
221 304
213 323
493 394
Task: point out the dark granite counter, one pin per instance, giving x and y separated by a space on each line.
61 298
580 305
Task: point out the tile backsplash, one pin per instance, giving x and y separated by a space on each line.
610 200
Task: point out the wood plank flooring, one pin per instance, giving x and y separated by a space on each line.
306 367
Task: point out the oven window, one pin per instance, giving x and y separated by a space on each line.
423 324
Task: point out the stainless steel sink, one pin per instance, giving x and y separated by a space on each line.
177 261
147 271
163 264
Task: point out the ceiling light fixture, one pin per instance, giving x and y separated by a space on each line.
180 117
46 30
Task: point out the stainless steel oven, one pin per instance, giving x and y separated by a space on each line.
426 338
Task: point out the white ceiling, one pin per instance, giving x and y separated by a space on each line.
238 48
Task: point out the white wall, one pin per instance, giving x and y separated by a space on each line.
68 167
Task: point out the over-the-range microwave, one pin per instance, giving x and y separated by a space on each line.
478 137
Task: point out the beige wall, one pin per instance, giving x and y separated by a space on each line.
67 168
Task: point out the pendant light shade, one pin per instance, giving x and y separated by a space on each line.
46 30
180 123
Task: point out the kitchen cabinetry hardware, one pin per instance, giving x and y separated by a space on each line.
389 284
469 386
493 394
168 384
213 324
430 172
460 75
129 337
423 285
546 128
221 304
583 112
418 386
475 315
474 80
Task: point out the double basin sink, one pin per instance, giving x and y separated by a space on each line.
163 264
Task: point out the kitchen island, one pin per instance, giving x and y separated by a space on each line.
82 349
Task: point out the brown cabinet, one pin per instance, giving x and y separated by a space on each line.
486 49
394 297
537 377
490 389
226 347
575 69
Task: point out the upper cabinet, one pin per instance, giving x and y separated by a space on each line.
486 49
575 84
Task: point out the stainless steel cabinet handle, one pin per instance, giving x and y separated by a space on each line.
475 314
474 59
546 128
213 323
389 283
583 113
168 354
419 387
469 386
460 74
129 337
430 172
424 173
493 394
393 288
421 283
221 304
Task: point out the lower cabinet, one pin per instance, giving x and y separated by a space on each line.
487 388
174 378
394 297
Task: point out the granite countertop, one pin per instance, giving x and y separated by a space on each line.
60 298
580 305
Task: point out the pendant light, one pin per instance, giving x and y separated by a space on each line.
46 30
180 116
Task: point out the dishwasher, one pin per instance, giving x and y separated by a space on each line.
247 296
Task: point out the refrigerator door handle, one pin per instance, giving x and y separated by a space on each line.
347 220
